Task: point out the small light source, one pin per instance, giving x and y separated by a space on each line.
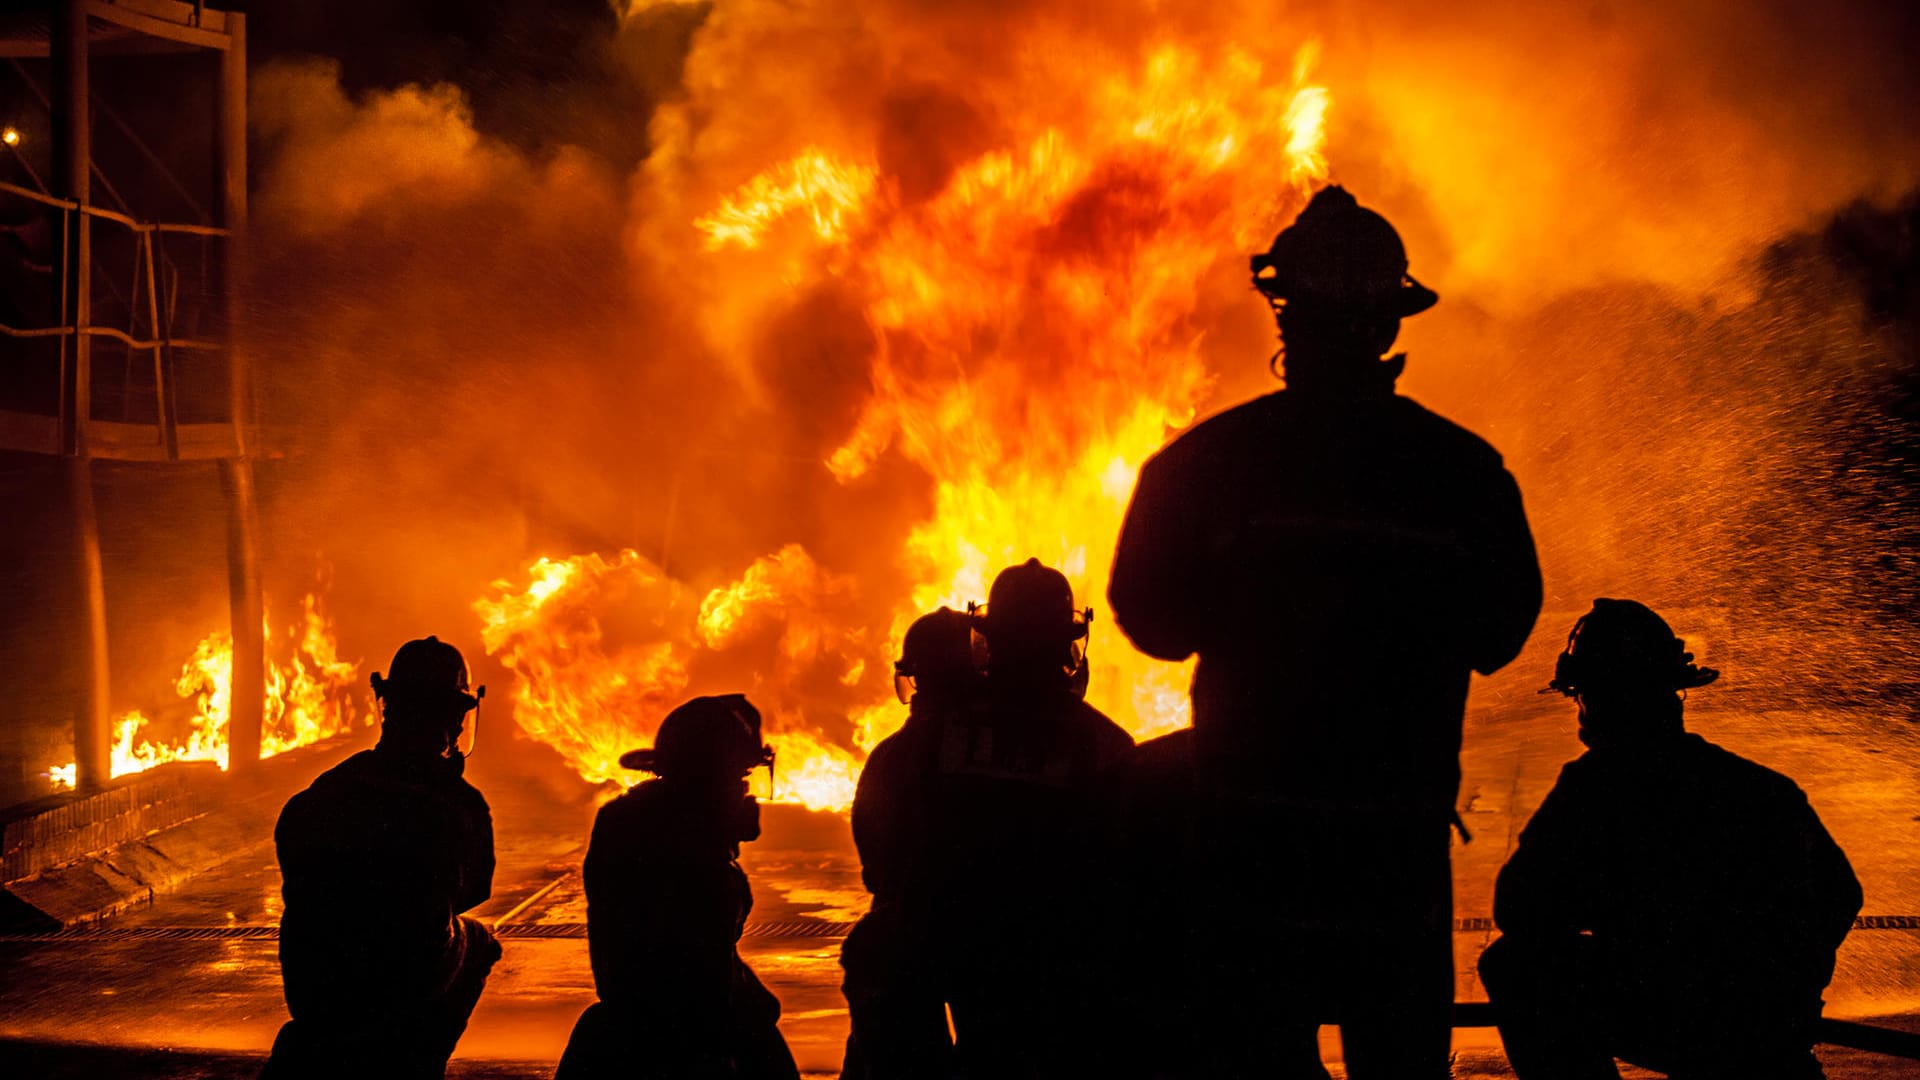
10 136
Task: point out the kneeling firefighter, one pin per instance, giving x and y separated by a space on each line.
666 904
379 858
1671 903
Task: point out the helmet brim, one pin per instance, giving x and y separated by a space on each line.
1699 678
1414 297
1411 298
640 760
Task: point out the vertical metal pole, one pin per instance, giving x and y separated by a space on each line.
74 153
231 169
91 723
162 398
73 179
245 603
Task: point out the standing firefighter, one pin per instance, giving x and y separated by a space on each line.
1012 819
666 904
1341 559
1670 903
895 984
379 857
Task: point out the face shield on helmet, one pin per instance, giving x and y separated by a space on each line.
937 655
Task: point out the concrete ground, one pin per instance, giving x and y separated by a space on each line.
189 986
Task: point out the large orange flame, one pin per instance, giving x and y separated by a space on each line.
594 693
308 699
1033 344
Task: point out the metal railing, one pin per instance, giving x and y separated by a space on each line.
151 265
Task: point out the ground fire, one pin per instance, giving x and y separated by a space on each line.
310 697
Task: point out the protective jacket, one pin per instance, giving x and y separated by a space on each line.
896 981
666 904
1340 563
379 857
1711 891
978 827
890 810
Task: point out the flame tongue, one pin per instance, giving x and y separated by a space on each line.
1033 343
307 700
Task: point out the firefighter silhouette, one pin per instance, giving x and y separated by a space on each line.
379 858
1670 903
895 979
1341 560
978 834
666 904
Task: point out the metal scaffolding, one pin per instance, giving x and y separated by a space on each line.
70 34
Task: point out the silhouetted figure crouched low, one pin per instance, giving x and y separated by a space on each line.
379 858
666 904
1670 903
1342 560
896 981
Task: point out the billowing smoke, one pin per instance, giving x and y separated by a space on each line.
1011 250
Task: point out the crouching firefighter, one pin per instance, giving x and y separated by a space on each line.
1670 903
666 904
379 859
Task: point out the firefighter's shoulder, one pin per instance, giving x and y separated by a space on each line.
1435 434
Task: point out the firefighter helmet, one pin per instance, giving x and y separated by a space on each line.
1032 602
937 654
1030 613
1623 645
428 673
1339 253
713 736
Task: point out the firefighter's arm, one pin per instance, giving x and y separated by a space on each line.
1836 891
1543 888
1509 578
698 937
476 864
1154 583
876 817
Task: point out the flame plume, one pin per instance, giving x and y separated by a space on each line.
594 694
574 690
1033 343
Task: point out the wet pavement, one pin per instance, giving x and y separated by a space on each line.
189 985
